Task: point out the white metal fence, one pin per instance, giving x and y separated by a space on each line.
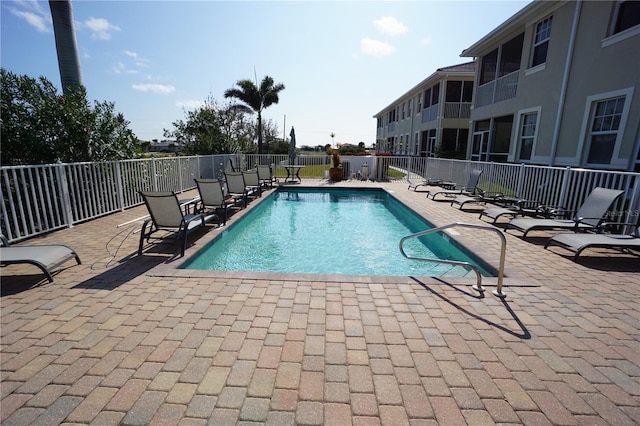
42 198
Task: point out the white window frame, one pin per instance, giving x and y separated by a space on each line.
535 44
518 145
613 37
587 121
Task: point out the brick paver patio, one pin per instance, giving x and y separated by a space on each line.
131 340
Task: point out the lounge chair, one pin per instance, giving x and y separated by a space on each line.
481 197
265 175
166 214
577 243
512 207
45 257
252 182
590 216
422 182
236 187
212 198
468 189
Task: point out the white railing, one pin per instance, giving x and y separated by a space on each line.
430 113
506 87
457 110
42 198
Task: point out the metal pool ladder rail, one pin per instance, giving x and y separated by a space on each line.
498 291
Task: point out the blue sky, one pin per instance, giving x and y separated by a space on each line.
341 62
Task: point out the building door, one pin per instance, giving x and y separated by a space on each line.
480 146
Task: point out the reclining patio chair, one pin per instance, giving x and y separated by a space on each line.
252 182
577 243
590 216
212 198
481 197
166 214
265 175
45 257
468 189
513 207
236 187
422 182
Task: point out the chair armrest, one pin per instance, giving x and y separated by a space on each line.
557 212
610 225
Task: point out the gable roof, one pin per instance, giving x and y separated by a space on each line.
511 27
466 69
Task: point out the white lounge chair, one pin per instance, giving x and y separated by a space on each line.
45 257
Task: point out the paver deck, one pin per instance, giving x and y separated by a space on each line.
131 340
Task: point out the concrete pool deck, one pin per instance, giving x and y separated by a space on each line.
122 339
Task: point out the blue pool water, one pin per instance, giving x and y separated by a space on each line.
336 231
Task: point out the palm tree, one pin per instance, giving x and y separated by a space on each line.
256 99
66 47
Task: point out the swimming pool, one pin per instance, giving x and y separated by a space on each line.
331 231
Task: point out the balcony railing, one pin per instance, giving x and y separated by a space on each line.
504 88
457 110
430 114
40 199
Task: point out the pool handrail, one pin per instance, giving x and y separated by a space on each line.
478 287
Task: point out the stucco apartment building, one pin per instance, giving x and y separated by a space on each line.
556 84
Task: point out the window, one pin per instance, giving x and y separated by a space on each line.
511 55
541 42
603 134
467 91
419 104
409 107
528 123
628 16
403 110
489 65
454 91
435 98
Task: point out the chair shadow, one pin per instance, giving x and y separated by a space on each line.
131 265
523 334
623 263
14 284
127 269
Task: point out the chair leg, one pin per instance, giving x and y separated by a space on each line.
142 235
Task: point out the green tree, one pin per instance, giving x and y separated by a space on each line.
256 98
212 129
40 126
272 143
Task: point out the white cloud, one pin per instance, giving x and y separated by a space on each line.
426 41
39 22
121 68
101 28
376 48
154 88
190 104
139 61
390 26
